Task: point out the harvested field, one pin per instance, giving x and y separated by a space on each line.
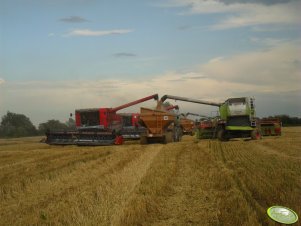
187 183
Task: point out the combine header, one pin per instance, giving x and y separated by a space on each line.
99 126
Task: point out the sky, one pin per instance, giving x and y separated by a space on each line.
60 55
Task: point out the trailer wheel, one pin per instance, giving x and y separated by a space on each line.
168 138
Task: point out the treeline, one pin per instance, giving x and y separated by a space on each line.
19 125
288 121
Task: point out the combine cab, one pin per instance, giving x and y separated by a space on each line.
270 126
239 119
97 126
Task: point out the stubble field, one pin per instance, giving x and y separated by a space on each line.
192 182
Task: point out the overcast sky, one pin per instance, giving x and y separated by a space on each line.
60 55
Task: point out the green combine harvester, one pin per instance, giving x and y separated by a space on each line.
237 117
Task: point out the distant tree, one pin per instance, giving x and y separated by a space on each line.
287 120
16 125
52 125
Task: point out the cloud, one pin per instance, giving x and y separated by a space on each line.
280 14
73 19
216 59
267 41
270 75
2 81
265 2
237 14
44 100
124 54
196 77
193 76
87 32
277 67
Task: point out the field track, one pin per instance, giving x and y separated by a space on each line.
192 182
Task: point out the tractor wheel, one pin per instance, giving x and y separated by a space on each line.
255 135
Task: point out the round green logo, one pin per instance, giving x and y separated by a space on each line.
282 214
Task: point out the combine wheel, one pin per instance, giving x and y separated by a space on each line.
255 135
222 135
143 140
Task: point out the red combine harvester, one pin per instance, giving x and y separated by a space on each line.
98 126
